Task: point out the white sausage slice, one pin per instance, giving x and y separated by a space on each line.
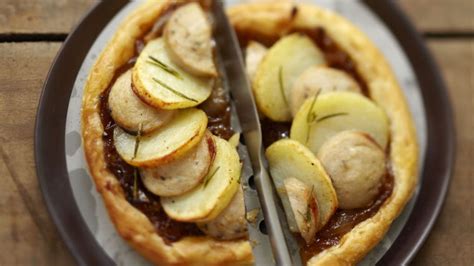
356 165
182 174
254 54
129 111
304 206
319 78
231 223
188 39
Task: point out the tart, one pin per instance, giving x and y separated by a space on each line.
157 135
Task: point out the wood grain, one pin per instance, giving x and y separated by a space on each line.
451 240
58 16
441 15
43 16
27 234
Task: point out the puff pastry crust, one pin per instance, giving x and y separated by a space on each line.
272 20
268 18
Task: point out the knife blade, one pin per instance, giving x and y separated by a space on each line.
232 67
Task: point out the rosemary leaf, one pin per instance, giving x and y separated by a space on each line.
210 177
302 215
308 215
331 116
311 117
135 184
137 140
164 85
156 62
308 210
282 88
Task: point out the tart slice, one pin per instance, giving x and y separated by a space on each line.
344 109
155 126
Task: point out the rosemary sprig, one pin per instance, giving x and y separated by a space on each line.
164 85
137 140
156 62
209 177
331 116
312 115
282 88
306 216
135 184
308 210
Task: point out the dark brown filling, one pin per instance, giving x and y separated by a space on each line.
217 107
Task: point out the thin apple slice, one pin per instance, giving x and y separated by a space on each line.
170 141
182 174
284 62
163 84
290 159
322 117
231 222
206 201
188 37
235 139
254 53
129 112
304 206
319 79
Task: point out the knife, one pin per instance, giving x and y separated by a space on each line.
232 66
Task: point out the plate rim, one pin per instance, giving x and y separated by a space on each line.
50 157
439 118
49 140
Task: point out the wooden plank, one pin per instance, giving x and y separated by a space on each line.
451 241
27 234
52 16
441 15
45 16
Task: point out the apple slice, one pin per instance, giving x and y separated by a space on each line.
322 117
206 201
284 62
182 174
289 159
304 206
129 112
319 79
170 141
163 84
188 40
254 54
235 139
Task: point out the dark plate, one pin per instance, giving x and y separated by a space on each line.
51 121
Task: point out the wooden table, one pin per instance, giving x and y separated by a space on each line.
31 32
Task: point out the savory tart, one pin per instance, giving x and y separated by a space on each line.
159 145
341 144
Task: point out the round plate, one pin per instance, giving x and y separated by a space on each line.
50 149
